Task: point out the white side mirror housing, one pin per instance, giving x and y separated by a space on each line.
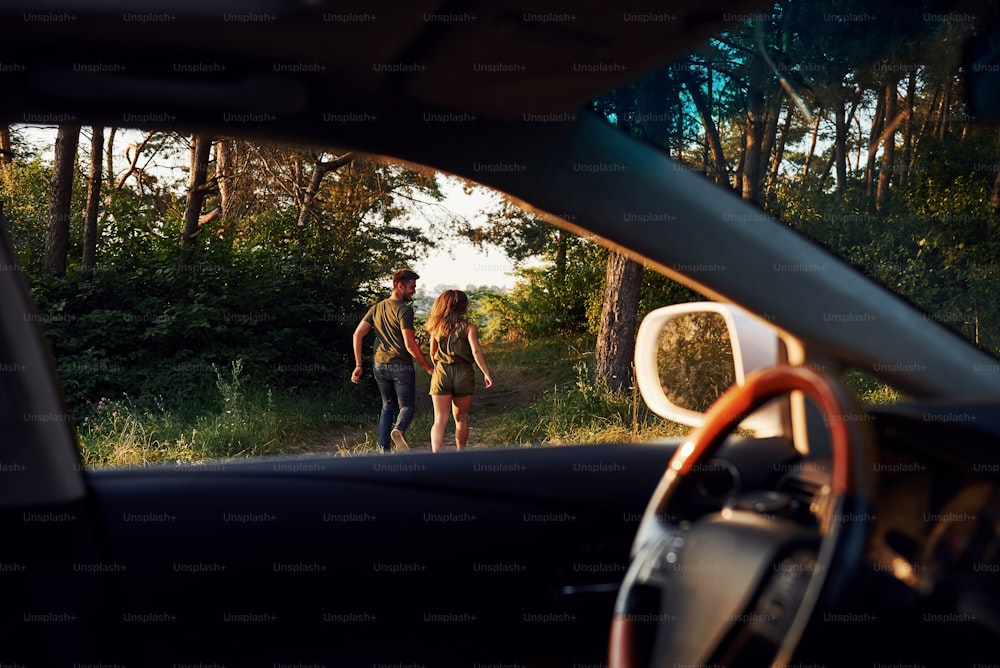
690 353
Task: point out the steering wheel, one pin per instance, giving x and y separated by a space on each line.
735 587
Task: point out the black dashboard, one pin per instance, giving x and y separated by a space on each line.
928 589
929 592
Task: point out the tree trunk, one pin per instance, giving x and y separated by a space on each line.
90 231
888 150
904 163
223 170
770 136
751 160
132 153
812 145
616 336
925 126
995 193
201 149
842 122
779 150
711 130
738 173
319 171
110 169
562 242
759 92
878 123
944 111
57 230
825 174
6 150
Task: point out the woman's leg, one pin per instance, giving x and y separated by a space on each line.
460 409
441 405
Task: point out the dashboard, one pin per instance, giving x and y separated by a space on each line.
931 575
930 578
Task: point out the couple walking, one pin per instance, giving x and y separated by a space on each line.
454 348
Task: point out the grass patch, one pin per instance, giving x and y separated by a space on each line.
241 422
544 394
121 433
576 412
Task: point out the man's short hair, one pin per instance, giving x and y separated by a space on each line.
404 275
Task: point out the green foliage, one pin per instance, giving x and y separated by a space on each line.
544 304
936 245
233 397
563 296
25 199
290 327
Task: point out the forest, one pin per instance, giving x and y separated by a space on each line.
211 316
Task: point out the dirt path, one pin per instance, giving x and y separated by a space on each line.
516 386
486 406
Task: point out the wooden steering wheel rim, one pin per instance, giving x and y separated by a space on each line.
760 386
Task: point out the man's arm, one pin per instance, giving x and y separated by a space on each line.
413 348
359 335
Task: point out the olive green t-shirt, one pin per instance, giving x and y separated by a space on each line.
389 318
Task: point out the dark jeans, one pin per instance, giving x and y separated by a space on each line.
397 383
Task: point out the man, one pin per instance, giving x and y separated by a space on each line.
395 349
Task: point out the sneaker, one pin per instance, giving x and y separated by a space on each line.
397 438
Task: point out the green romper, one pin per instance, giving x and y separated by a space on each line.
453 373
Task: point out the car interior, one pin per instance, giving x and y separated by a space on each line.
845 536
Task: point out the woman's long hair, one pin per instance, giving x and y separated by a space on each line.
447 314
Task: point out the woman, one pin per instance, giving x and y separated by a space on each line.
454 347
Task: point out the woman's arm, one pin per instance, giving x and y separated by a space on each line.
412 347
477 354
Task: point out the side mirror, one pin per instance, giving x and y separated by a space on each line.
687 355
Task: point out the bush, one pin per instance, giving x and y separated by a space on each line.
163 333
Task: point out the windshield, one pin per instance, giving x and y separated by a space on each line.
850 123
202 293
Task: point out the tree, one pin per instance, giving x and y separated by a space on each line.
615 347
224 175
57 230
655 96
703 102
90 230
320 169
6 148
888 148
201 150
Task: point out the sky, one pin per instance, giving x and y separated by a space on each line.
463 266
457 263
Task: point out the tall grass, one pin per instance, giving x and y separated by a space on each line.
545 393
575 411
243 422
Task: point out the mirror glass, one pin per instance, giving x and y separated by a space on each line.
694 359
